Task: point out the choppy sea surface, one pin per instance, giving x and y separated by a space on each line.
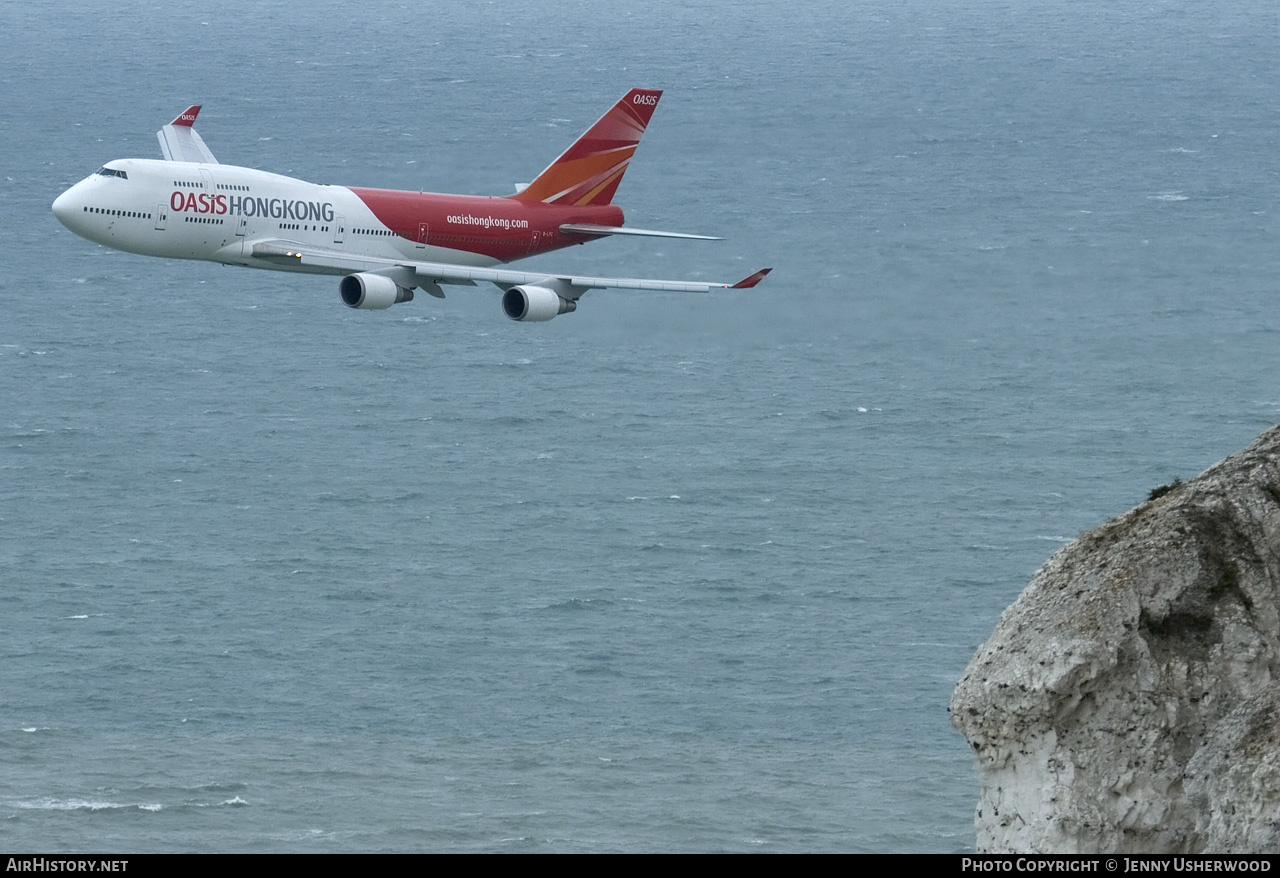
671 573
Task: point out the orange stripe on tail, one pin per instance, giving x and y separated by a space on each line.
589 171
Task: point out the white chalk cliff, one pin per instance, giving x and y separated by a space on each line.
1128 701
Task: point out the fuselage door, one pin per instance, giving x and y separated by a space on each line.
338 223
422 234
240 226
162 213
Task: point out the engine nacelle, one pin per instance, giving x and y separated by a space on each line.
535 304
372 291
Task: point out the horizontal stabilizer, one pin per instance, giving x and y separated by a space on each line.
591 229
179 141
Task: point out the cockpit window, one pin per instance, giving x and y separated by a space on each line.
104 171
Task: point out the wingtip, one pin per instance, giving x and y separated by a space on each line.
749 282
187 117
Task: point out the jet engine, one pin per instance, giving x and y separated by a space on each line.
372 291
535 304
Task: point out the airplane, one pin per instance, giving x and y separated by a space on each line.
384 243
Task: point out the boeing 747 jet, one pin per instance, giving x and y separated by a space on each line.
384 243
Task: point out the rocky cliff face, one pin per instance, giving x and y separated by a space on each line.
1128 700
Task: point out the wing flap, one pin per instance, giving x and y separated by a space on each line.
577 284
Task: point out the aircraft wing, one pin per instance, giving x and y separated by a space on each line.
179 141
429 275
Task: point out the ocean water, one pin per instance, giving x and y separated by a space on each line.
671 573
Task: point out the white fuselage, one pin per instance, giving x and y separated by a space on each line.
216 212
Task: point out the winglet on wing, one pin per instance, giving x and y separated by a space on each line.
179 141
749 282
187 117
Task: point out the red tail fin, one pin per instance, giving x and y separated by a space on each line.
589 171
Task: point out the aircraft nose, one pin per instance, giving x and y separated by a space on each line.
65 206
